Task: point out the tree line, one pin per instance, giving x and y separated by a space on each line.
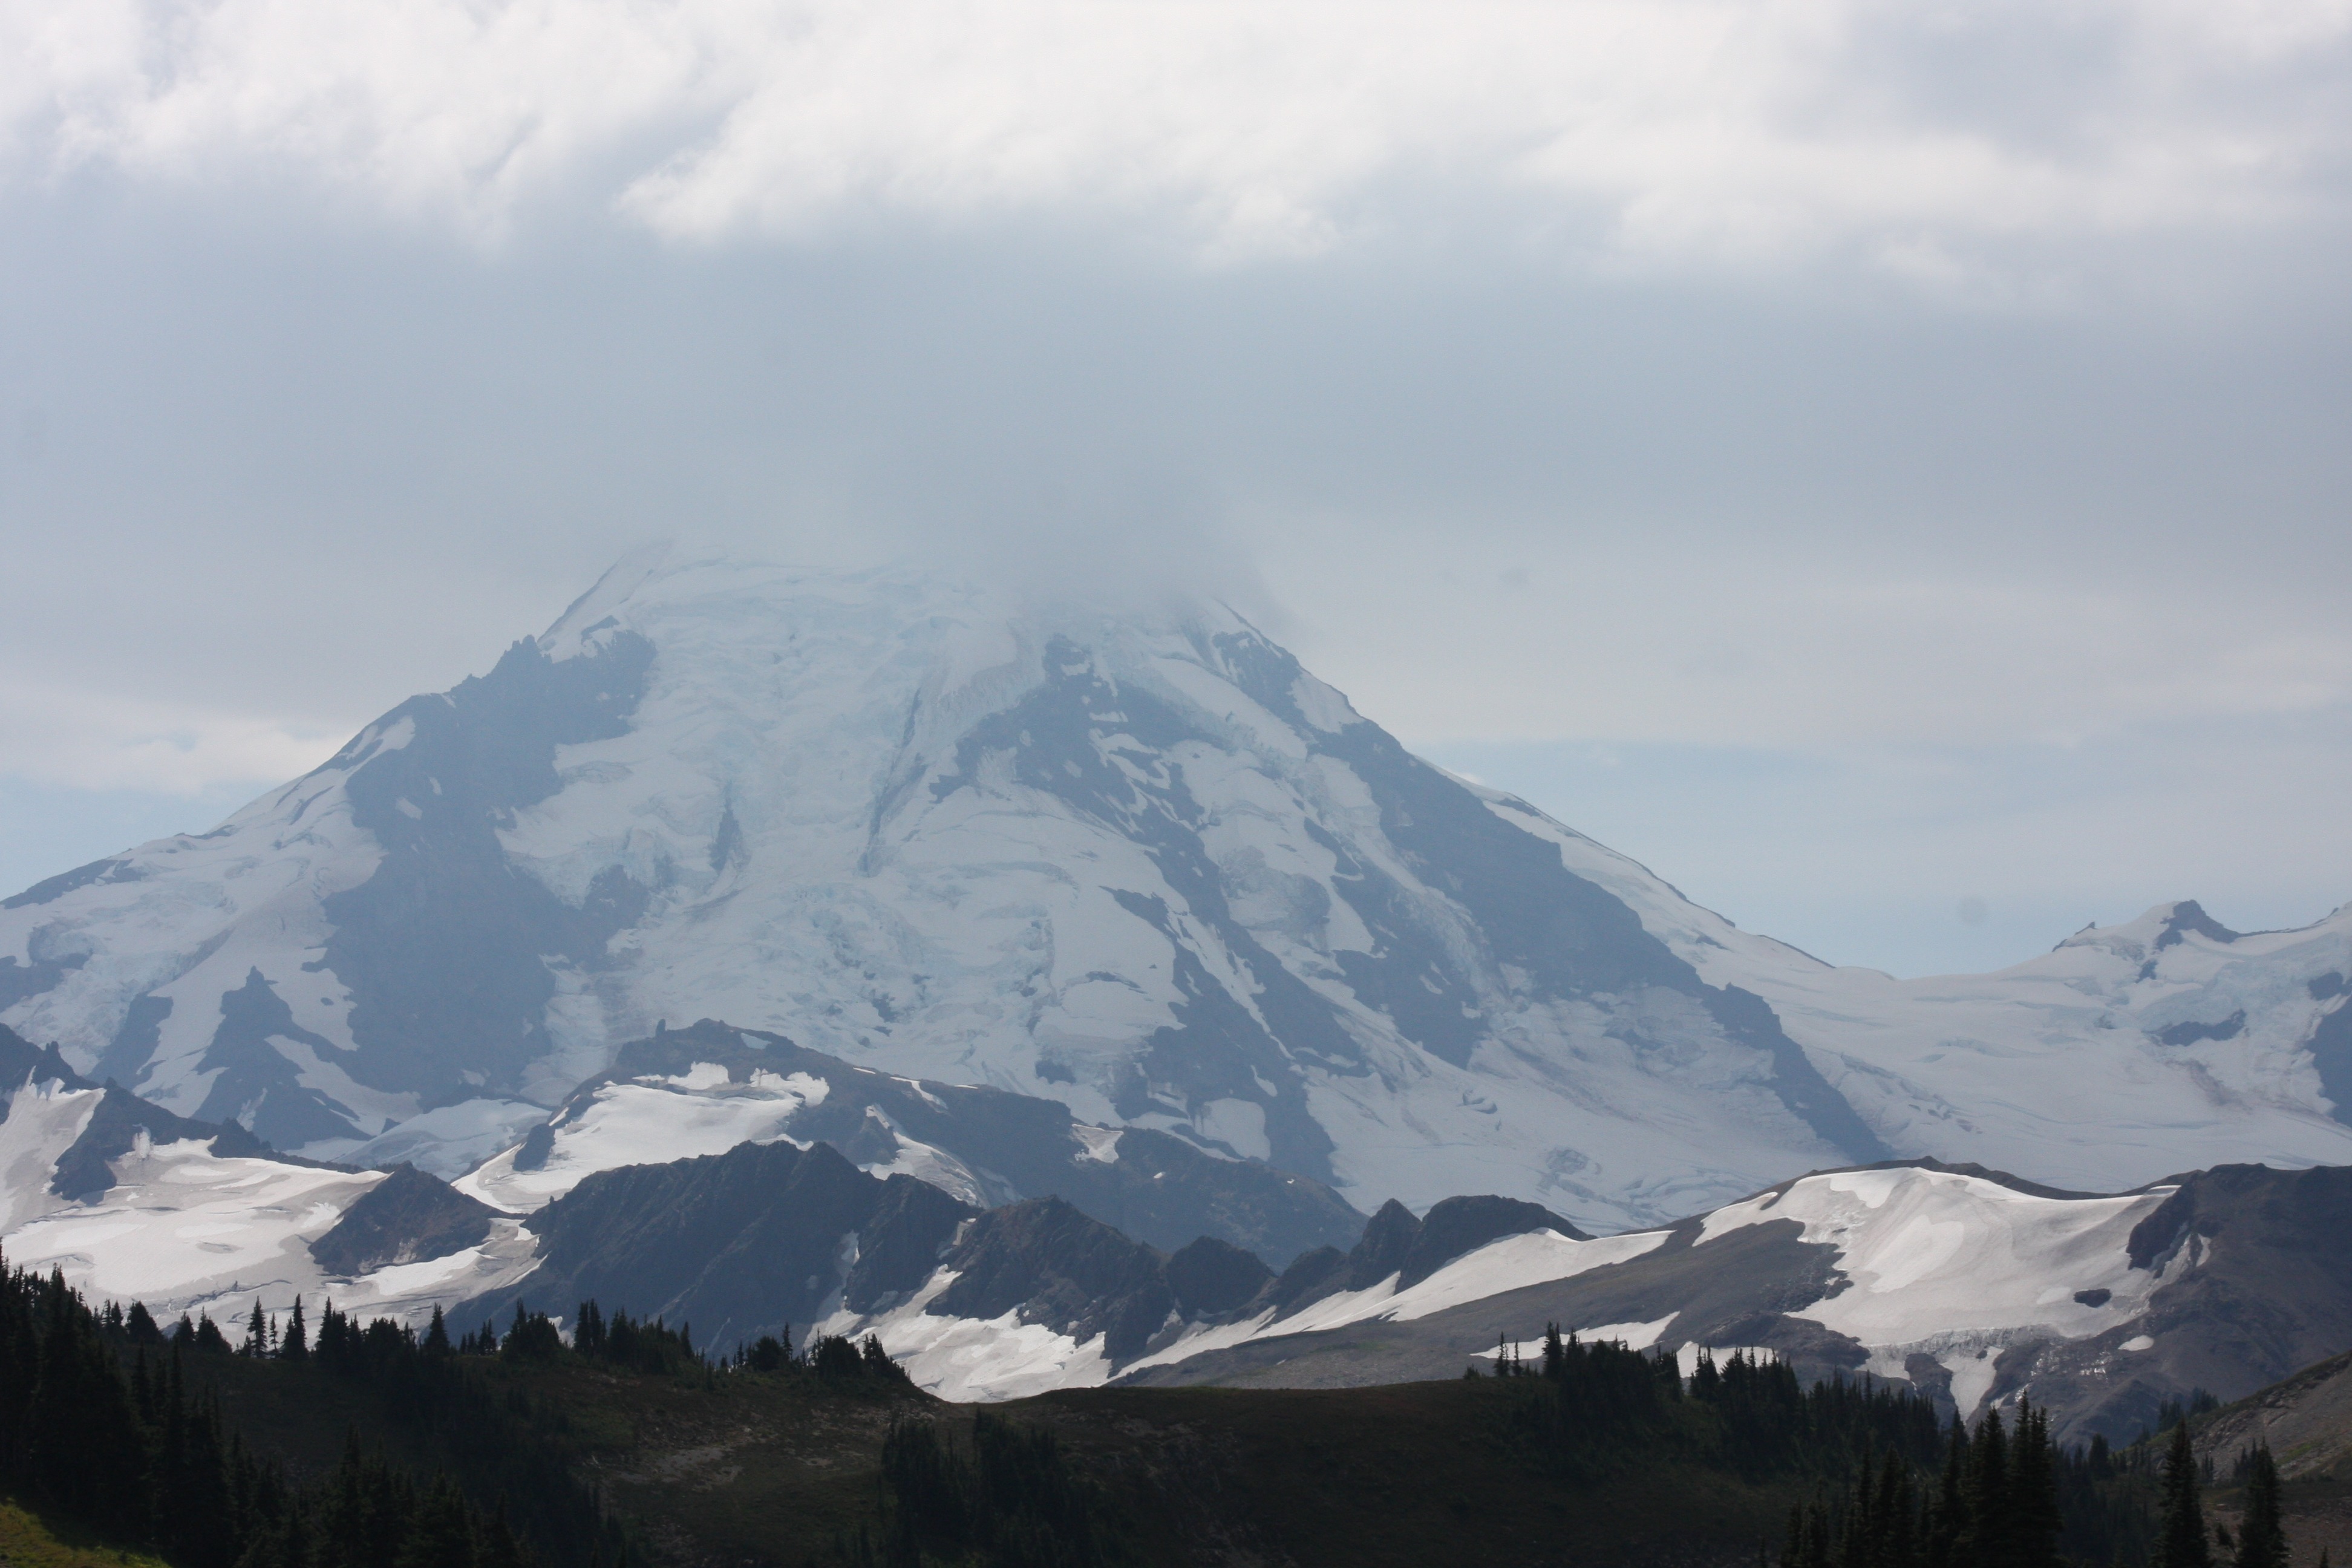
649 1345
1005 1497
2183 1540
110 1422
1994 1504
1583 1408
1894 1485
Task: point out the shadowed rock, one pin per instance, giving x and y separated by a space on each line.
405 1217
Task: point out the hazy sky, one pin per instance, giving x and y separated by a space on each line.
1886 464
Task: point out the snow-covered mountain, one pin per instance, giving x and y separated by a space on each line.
1905 1272
1971 1286
135 1203
1144 865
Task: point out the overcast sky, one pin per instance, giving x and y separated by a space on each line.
1886 464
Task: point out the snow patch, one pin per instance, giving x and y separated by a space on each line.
1238 1124
44 1122
1097 1143
704 1074
1972 1374
647 1122
965 1360
1511 1263
1957 1267
926 1163
1632 1336
446 1141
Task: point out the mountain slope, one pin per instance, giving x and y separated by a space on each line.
1143 865
708 1087
1969 1285
2165 1043
132 1203
1013 1300
1972 1287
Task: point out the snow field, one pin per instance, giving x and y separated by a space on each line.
185 1230
1957 1267
649 1121
44 1121
972 1359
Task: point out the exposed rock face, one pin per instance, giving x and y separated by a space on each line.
405 1217
1211 1278
1970 1284
1457 1225
1048 1263
772 1235
736 1244
2257 1284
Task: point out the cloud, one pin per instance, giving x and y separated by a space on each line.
1775 643
1924 139
1825 378
105 740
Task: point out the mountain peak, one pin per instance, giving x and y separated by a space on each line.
1137 861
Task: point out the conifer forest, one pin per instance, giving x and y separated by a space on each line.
308 1439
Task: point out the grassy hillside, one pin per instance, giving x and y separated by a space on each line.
28 1540
2306 1420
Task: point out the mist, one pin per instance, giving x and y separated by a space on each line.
1919 487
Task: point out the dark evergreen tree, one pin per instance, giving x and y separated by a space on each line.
876 1360
442 1535
1815 1549
1988 1540
141 1455
588 1331
1855 1547
141 1326
2035 1520
1898 1510
296 1345
534 1337
831 1356
2261 1542
2181 1540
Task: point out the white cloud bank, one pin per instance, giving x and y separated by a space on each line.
106 741
1920 137
1722 643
